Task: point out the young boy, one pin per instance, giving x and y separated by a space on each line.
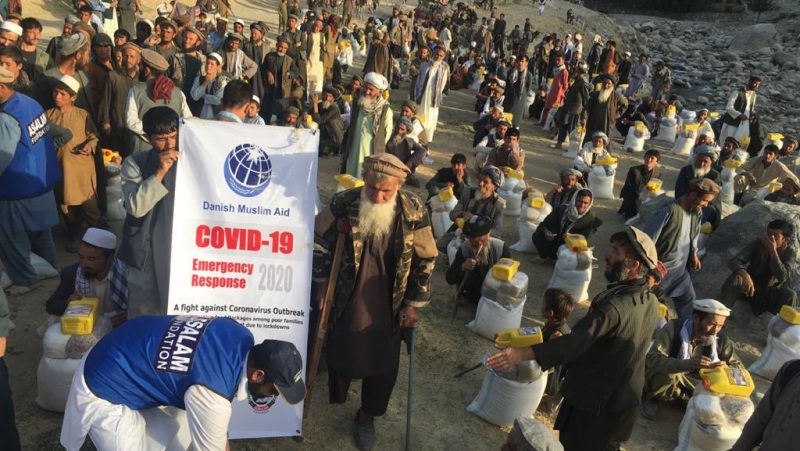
556 308
251 112
77 192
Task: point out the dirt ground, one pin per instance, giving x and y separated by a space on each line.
445 346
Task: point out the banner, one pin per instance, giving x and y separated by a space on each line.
242 242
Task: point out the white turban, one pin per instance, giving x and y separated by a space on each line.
377 80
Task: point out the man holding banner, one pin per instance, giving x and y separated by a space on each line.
388 260
148 189
197 364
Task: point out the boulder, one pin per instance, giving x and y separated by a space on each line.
703 100
734 233
754 37
786 60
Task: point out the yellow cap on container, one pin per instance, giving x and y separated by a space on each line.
654 184
348 181
513 173
576 242
790 314
446 194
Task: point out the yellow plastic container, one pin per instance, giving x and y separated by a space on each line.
790 314
639 126
598 86
505 269
348 181
108 155
671 110
519 338
445 194
774 136
581 130
663 311
654 185
706 228
576 242
421 118
459 223
732 163
745 142
513 173
691 127
347 98
713 114
623 86
80 316
608 160
536 199
775 186
728 381
509 117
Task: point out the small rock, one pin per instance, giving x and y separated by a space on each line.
754 37
701 100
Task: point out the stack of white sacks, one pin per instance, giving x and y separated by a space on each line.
688 135
534 210
513 393
61 355
783 343
601 177
714 419
575 140
637 135
668 128
441 206
115 210
573 270
511 191
502 301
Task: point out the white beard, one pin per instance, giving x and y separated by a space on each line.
376 220
604 95
480 195
368 103
700 172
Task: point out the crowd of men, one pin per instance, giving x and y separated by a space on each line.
127 91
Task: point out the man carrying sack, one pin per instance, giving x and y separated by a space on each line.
384 278
197 364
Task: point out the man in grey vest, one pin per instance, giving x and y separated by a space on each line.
605 350
148 190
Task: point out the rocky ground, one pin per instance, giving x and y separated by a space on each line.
445 346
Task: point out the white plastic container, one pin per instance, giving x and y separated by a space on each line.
637 135
601 184
686 140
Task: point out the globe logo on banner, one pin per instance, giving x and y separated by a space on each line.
248 170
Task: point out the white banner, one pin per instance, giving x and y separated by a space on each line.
242 242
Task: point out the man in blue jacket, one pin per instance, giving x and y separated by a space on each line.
199 364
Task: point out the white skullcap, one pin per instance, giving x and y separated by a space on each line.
711 306
12 27
600 135
216 56
70 82
239 21
256 99
103 239
377 80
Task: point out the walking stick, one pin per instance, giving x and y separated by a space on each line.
325 311
461 284
409 337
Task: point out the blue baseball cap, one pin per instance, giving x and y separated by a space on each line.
283 366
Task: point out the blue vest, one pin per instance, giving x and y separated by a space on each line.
151 361
34 169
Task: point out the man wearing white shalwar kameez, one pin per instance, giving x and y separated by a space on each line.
432 83
740 107
315 70
370 126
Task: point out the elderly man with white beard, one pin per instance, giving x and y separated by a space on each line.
370 127
701 167
384 280
432 84
603 107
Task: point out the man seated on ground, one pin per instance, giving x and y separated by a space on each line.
596 149
787 194
573 217
410 152
788 153
495 99
535 110
758 172
761 272
417 132
563 192
482 200
97 274
637 179
455 177
682 347
726 152
484 126
509 154
475 258
702 167
495 138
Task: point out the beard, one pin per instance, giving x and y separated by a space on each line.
376 220
482 257
368 103
605 94
480 195
326 105
616 272
700 172
281 54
